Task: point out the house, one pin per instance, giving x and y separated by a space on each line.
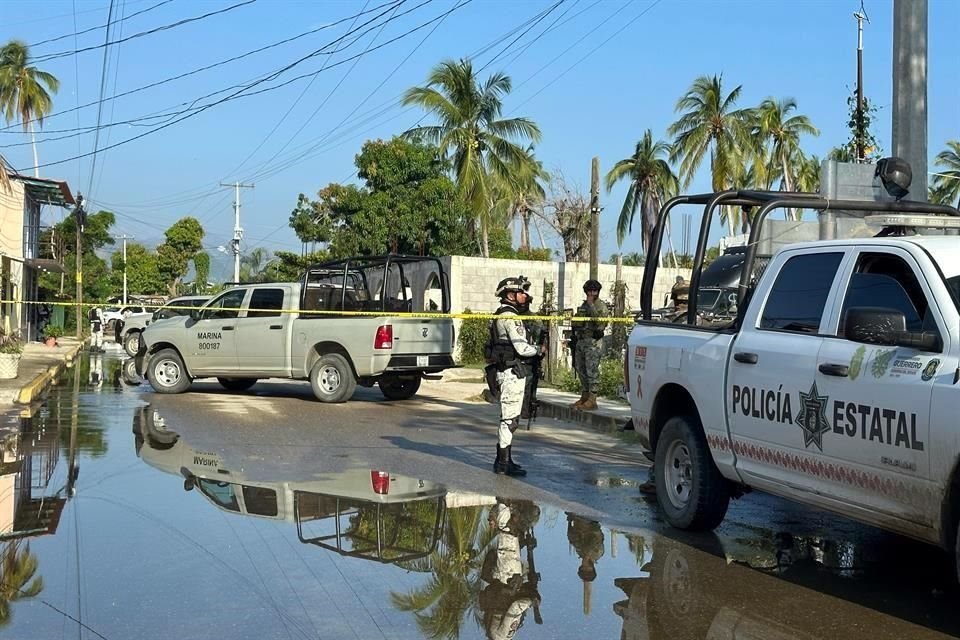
27 249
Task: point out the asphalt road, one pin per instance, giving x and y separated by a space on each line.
215 513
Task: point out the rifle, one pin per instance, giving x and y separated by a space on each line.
533 578
536 373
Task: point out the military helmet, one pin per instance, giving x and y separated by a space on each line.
519 283
592 285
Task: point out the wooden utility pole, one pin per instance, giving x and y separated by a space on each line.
80 219
595 219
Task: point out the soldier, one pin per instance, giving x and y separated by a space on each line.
96 330
509 355
589 337
586 537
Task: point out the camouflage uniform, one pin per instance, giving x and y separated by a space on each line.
589 345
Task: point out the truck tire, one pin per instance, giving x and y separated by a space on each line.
167 373
237 384
394 388
129 372
332 378
131 342
691 491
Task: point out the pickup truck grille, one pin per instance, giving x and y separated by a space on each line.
435 362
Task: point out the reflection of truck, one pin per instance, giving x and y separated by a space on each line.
833 385
364 513
338 327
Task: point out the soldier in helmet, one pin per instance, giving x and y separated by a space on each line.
589 337
509 356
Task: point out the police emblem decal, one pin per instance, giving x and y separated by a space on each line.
424 332
812 417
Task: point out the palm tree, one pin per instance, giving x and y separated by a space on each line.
709 123
22 90
520 193
252 264
776 126
18 579
472 132
947 181
808 176
651 182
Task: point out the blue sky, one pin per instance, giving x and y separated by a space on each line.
647 54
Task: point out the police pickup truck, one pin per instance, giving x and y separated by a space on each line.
128 329
836 384
340 326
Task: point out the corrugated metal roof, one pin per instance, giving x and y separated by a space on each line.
46 191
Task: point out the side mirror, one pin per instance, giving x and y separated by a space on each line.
195 314
877 325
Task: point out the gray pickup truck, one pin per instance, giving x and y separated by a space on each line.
322 329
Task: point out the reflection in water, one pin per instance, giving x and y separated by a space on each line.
586 537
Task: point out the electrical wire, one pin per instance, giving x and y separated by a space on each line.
542 17
116 77
237 94
103 89
141 34
102 26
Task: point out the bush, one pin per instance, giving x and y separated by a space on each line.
474 333
10 345
611 378
53 331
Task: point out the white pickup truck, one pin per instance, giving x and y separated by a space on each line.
836 385
342 325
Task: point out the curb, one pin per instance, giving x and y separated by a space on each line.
33 389
596 421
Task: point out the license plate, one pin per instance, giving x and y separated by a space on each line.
423 361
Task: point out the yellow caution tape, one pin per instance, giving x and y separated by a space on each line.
366 314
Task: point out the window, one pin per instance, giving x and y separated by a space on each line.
221 493
226 306
260 501
799 295
882 280
265 303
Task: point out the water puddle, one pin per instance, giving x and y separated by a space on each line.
114 525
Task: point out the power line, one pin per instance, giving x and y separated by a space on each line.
102 26
542 17
166 27
116 77
203 68
238 93
103 89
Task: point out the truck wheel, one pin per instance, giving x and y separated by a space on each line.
130 375
237 384
131 342
690 490
167 373
394 388
332 379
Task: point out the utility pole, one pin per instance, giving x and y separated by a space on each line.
909 139
594 218
81 220
237 229
124 237
860 16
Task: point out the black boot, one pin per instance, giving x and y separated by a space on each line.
513 469
500 464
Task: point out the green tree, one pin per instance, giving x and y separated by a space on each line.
518 195
782 132
252 265
18 577
184 240
631 259
652 181
312 220
201 270
24 89
946 181
709 124
472 133
143 274
288 266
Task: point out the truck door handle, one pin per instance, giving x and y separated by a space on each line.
276 326
830 369
230 328
746 358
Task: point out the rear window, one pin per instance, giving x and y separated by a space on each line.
265 303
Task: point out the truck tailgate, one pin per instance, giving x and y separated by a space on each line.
422 336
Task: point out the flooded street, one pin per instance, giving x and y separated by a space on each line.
129 515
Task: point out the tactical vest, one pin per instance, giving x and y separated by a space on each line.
498 351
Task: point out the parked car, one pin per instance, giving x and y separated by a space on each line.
127 330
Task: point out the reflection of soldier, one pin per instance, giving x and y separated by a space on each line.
589 339
96 371
509 593
586 537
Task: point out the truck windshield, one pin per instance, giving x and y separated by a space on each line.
954 285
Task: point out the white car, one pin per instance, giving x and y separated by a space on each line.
112 314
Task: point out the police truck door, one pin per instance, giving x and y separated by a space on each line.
773 400
262 332
213 336
876 453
